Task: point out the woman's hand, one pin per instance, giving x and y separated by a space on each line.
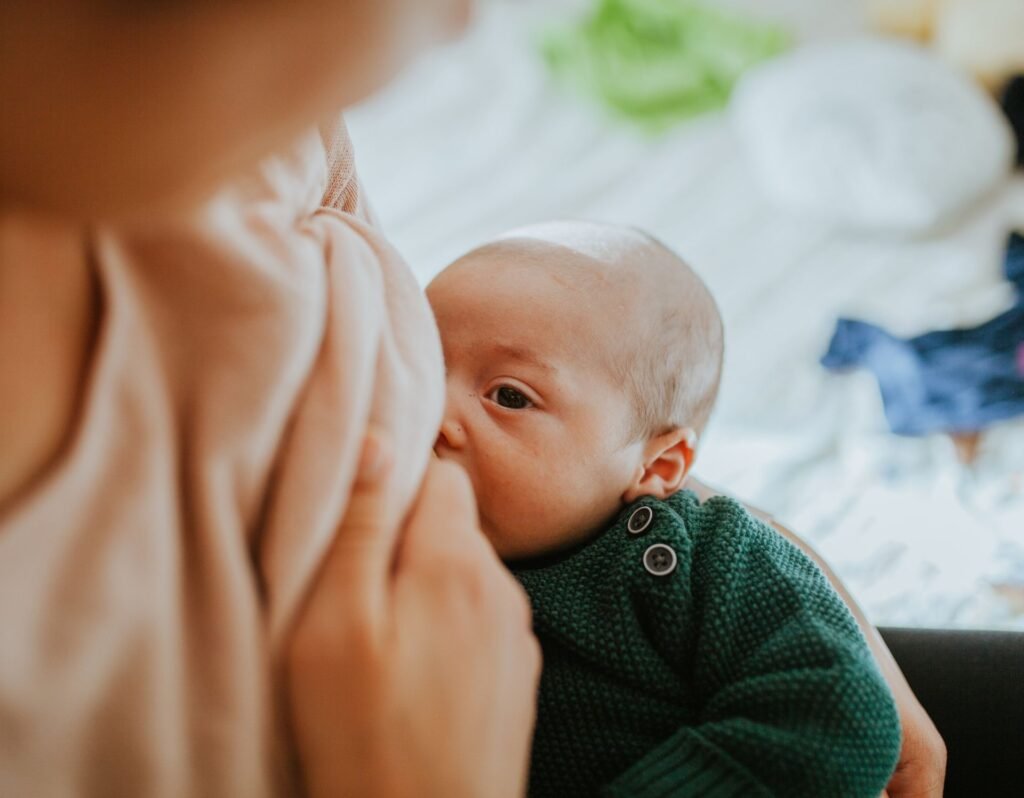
921 770
413 669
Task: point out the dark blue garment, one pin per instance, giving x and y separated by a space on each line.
948 380
1013 106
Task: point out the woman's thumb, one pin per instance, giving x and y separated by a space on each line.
360 557
369 509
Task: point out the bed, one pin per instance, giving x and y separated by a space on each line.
476 139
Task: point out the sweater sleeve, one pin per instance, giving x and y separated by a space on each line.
788 699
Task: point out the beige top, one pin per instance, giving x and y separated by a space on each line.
147 580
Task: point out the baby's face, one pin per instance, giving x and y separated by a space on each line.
534 412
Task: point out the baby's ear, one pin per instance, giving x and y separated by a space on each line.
667 460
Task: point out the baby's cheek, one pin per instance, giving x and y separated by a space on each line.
534 515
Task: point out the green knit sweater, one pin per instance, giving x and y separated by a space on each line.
730 669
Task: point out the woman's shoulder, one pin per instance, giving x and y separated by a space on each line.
44 275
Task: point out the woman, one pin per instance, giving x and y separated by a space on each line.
211 583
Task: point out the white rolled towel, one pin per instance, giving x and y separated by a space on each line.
871 133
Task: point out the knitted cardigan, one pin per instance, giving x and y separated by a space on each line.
739 672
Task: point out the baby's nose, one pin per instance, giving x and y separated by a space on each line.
451 435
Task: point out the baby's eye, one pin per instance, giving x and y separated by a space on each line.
507 396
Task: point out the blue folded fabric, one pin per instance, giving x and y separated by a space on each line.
1013 106
948 380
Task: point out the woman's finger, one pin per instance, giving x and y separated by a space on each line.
356 570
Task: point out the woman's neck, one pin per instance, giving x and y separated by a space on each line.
49 309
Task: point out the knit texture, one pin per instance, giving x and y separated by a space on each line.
740 673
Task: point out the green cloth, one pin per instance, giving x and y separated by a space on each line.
740 673
658 61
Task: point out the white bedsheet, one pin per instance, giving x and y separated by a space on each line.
476 139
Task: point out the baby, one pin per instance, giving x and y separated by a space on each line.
689 649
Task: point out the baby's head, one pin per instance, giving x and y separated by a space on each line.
583 361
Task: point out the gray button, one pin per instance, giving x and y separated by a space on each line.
660 560
639 520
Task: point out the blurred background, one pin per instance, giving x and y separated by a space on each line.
820 169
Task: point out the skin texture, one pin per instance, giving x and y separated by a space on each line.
531 371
